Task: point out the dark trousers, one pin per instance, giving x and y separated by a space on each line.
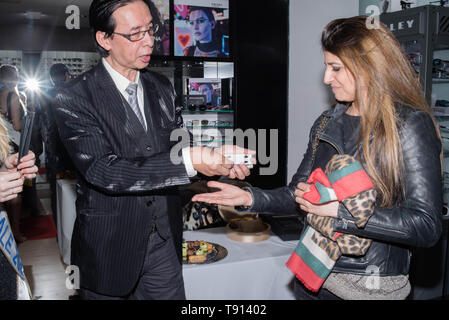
302 293
161 276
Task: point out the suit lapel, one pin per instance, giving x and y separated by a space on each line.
112 101
151 100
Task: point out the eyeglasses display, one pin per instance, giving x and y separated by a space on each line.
76 62
209 123
440 69
442 103
11 57
193 107
210 129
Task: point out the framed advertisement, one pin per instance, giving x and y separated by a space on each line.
201 28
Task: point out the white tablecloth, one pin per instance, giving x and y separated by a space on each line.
251 271
66 214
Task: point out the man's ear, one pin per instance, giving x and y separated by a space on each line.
212 24
103 40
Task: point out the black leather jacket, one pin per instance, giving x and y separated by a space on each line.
414 222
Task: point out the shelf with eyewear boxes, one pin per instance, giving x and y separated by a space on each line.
210 128
424 34
77 62
11 57
207 103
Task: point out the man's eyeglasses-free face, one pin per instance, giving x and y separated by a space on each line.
133 37
198 21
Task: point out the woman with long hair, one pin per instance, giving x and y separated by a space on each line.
12 109
12 176
12 101
370 183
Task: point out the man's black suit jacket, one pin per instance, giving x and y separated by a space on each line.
125 176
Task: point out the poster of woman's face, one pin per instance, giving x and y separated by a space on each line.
201 28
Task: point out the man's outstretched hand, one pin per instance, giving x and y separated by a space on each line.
211 162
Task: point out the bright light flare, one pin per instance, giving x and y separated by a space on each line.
32 84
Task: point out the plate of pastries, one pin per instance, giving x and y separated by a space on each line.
201 252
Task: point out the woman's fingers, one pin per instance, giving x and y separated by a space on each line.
228 195
30 172
10 197
218 185
9 176
27 160
26 164
206 197
11 161
10 185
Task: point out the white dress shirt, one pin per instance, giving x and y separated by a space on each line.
122 83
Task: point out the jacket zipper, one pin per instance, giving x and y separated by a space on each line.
346 222
331 143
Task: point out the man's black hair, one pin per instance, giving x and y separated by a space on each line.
58 70
100 17
58 73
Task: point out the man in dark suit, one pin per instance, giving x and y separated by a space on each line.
115 121
57 160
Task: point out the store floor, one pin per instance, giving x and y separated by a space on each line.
42 262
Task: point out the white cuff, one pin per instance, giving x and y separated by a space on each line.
191 172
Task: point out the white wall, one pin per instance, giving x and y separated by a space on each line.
308 96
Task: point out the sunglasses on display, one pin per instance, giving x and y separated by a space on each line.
203 123
193 107
442 103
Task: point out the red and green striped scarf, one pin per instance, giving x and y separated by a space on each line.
312 261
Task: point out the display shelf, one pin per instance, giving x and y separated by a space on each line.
77 62
12 57
213 140
425 36
206 111
210 127
440 80
440 111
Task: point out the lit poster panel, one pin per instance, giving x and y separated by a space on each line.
161 16
201 28
211 88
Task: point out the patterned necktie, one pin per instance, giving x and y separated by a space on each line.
132 100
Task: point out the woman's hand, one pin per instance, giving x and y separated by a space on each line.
329 209
228 195
26 166
10 185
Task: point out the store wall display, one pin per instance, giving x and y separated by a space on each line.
211 88
12 57
77 62
393 5
201 28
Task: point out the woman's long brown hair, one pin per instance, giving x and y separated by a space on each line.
379 65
